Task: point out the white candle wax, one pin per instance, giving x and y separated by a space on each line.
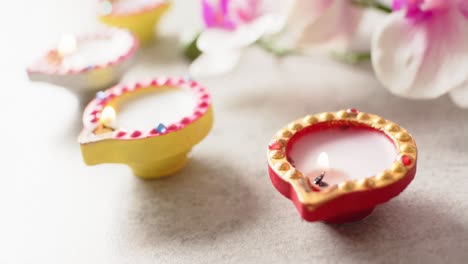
353 153
161 105
93 51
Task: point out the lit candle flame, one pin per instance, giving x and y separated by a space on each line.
107 116
323 161
67 45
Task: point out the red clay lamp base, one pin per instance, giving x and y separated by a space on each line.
361 161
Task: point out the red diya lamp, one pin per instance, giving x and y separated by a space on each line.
87 63
336 167
169 116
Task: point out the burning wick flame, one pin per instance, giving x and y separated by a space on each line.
323 161
324 165
67 45
107 116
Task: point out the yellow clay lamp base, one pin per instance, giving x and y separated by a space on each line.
142 22
152 153
161 168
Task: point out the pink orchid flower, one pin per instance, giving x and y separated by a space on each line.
232 25
221 15
421 49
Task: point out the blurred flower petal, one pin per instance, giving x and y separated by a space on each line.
324 24
223 4
460 95
209 64
424 58
280 10
209 14
222 44
216 40
216 15
463 5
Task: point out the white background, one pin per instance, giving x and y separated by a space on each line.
222 206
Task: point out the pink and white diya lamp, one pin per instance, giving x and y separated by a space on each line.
337 166
151 125
87 63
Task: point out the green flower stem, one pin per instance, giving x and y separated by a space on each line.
191 52
373 4
351 57
273 49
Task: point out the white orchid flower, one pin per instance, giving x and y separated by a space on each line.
232 25
421 49
305 25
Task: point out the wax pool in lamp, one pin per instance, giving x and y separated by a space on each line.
86 63
341 154
164 105
89 52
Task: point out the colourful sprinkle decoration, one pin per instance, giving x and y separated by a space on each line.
274 146
101 95
406 160
105 8
161 128
187 78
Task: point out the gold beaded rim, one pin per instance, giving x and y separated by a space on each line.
278 162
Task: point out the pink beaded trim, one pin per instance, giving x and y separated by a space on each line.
93 111
123 13
44 67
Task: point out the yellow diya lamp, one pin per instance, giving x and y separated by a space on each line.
86 63
138 16
184 116
337 167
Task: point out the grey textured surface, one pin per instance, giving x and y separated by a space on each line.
222 207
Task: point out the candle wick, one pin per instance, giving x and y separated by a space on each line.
103 128
319 180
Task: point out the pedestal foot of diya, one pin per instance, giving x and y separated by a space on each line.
337 167
87 63
161 168
350 218
178 116
139 16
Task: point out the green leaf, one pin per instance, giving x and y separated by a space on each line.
373 4
191 51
